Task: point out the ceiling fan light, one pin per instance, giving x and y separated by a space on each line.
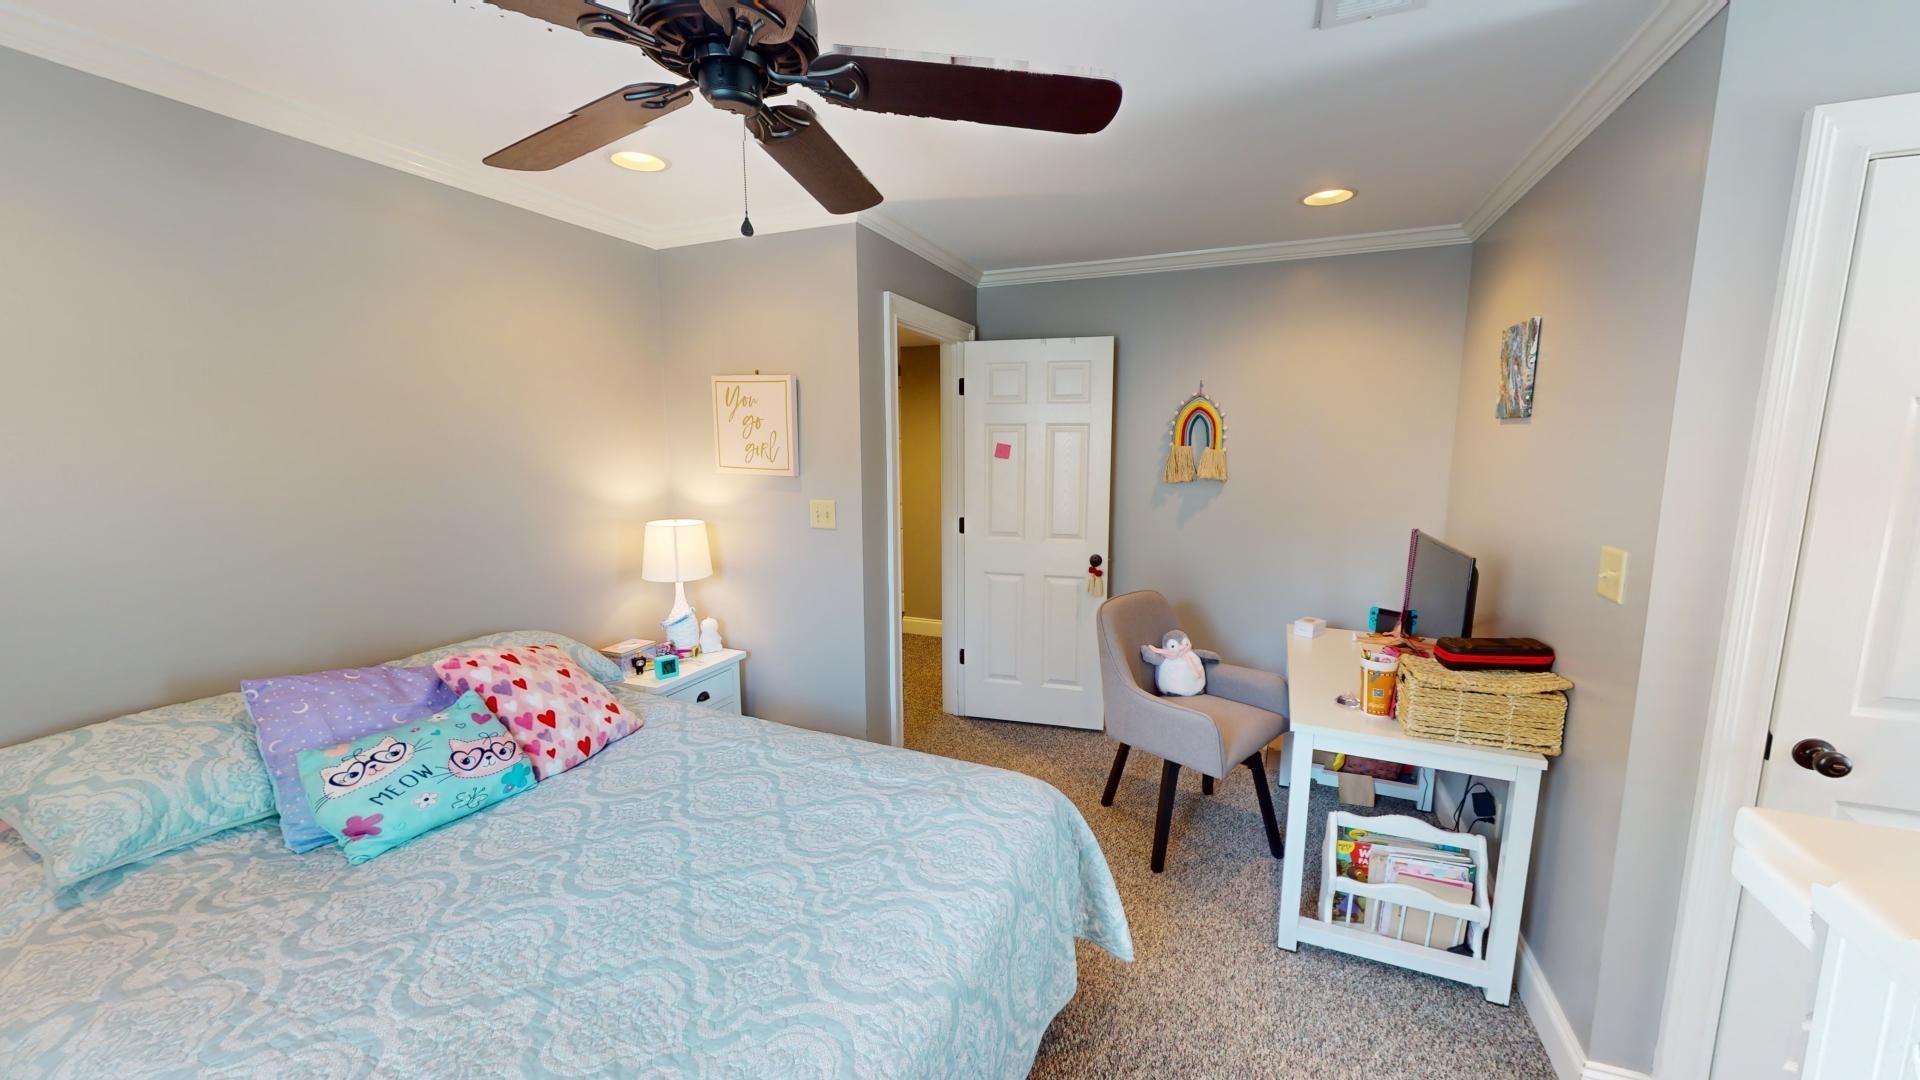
638 162
1329 197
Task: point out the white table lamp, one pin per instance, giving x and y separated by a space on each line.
676 551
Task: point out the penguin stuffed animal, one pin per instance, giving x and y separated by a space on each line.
1179 668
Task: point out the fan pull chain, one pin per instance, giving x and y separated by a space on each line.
746 208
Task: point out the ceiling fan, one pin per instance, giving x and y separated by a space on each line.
740 54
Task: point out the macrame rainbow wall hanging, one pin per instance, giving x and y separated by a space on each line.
1197 424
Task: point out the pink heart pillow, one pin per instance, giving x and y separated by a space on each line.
558 713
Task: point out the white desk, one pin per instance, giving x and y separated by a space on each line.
1320 669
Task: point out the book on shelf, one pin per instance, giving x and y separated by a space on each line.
1364 855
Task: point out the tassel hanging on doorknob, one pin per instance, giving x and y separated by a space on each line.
1095 586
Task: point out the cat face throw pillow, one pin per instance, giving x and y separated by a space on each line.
375 793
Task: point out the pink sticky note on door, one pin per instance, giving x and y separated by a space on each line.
1003 451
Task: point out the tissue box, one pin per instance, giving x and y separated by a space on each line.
629 654
1309 627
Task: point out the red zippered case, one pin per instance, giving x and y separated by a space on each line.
1489 654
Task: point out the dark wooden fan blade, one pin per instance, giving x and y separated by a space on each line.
591 127
781 18
567 13
954 89
795 139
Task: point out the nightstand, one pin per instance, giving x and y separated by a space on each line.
710 679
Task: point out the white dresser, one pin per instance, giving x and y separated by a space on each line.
711 679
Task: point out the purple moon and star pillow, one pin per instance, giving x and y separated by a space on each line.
327 709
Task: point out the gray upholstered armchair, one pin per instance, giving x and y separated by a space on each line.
1242 711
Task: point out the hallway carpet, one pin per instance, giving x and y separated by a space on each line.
1209 994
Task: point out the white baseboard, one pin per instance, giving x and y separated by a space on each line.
921 627
1556 1033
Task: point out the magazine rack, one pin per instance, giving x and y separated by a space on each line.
1474 916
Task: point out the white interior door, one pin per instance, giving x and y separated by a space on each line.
1039 471
1850 672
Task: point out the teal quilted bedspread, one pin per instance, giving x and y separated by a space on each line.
715 896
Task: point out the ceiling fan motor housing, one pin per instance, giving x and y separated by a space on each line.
734 83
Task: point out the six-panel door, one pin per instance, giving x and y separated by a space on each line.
1039 446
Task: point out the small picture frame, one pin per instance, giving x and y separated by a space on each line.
666 667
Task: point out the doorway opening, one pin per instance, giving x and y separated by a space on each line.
926 485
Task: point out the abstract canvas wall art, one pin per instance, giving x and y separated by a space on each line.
1519 366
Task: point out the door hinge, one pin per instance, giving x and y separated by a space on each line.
963 526
1766 753
963 388
963 656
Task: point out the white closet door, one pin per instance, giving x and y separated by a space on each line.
1850 673
1039 469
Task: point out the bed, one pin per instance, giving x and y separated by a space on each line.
713 896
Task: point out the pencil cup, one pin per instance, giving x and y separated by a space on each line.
1376 685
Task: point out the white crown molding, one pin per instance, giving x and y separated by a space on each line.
34 34
85 51
1671 25
82 50
1556 1031
1659 38
1356 244
922 246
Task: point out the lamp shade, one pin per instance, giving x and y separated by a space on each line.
676 551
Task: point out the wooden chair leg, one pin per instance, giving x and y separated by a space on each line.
1206 784
1113 777
1163 821
1260 792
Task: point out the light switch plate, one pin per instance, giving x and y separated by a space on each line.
1613 574
820 514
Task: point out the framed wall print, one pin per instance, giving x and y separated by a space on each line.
756 424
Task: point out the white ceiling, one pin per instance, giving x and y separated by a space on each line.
1233 110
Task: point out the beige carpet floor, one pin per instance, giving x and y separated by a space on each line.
1209 995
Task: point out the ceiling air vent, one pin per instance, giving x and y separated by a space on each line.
1341 12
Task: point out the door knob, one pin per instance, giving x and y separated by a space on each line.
1818 755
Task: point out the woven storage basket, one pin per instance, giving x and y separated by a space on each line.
1513 710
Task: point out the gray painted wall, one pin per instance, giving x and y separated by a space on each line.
1603 250
269 408
1782 57
1316 364
816 599
790 593
312 359
884 267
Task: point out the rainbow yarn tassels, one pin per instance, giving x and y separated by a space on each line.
1198 423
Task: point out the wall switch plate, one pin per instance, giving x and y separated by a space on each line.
1613 574
820 514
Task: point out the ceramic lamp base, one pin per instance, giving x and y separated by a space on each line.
681 625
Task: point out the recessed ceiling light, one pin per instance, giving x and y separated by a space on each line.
1329 197
639 162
